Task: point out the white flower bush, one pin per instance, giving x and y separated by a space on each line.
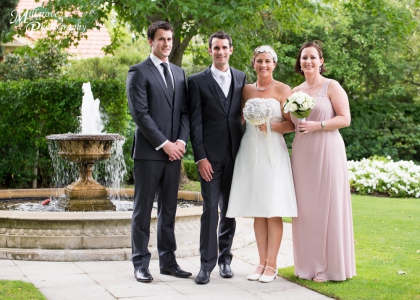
384 176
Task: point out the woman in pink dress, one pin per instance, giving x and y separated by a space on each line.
323 238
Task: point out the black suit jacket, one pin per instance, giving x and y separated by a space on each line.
157 117
214 129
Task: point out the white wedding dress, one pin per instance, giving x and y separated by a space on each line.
262 184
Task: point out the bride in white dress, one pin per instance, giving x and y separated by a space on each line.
262 185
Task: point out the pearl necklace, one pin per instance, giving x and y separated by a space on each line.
256 85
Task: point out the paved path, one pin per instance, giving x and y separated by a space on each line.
114 279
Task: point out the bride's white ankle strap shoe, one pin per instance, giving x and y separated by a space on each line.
255 276
268 278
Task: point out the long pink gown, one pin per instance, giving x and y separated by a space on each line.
323 240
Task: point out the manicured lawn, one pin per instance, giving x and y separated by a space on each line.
193 186
19 290
387 240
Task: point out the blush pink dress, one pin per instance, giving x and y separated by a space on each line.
323 241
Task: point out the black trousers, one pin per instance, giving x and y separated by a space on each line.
216 194
160 178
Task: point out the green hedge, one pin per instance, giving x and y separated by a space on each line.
31 110
377 128
381 128
191 170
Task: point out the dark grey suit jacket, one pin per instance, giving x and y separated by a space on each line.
212 127
157 118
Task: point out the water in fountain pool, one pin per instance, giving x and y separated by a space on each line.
58 204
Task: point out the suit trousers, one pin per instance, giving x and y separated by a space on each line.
216 194
160 178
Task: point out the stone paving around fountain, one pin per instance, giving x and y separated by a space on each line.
114 279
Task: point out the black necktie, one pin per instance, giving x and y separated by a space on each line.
168 79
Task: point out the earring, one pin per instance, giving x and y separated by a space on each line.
301 71
320 69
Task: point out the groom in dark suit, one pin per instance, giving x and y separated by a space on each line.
216 131
157 98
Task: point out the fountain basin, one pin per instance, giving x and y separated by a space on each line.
86 194
84 147
90 236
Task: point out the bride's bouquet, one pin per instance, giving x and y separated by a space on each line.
257 111
299 104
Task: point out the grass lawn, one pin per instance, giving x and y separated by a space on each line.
19 290
193 186
387 240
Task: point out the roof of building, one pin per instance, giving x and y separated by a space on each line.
90 47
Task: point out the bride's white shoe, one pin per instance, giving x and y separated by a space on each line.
255 276
268 278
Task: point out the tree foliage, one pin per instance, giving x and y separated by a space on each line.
362 42
189 18
45 60
6 7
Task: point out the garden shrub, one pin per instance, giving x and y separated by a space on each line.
383 176
191 170
31 110
383 128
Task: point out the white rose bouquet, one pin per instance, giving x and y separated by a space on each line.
257 111
299 104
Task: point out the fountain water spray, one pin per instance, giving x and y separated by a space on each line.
91 119
85 149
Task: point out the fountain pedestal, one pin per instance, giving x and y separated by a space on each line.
86 194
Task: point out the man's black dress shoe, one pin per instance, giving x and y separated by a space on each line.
143 275
203 277
175 271
225 271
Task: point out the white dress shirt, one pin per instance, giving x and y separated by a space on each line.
157 62
223 83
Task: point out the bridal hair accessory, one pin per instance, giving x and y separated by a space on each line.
266 49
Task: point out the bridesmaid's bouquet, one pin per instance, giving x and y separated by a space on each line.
299 104
257 111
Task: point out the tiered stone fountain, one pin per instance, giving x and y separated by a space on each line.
85 149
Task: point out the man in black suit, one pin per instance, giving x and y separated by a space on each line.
216 131
157 98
